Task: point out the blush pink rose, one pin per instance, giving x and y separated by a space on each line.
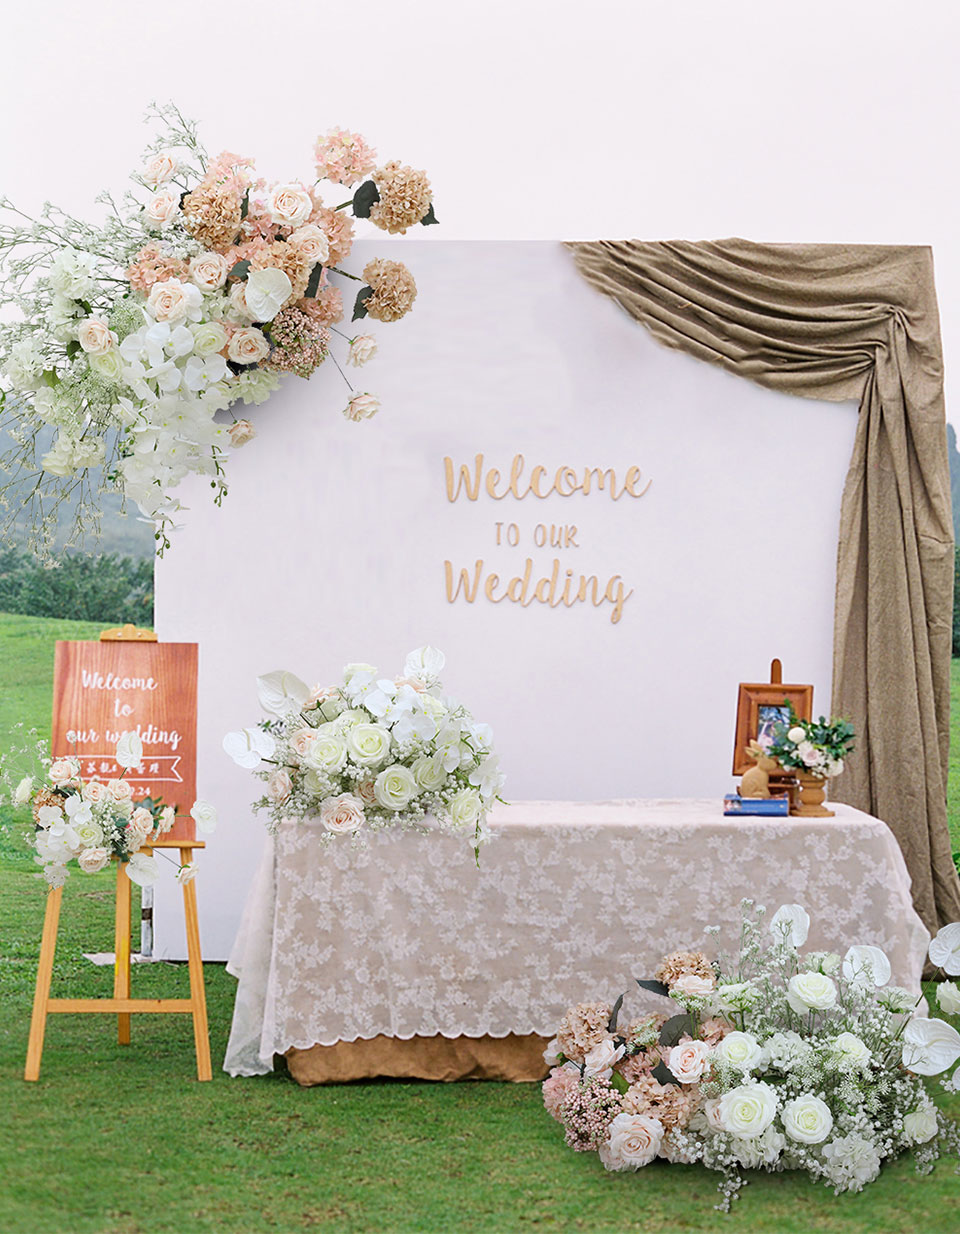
91 860
95 336
342 814
688 1061
302 740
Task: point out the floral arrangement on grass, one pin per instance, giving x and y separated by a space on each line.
774 1060
199 289
371 752
811 747
92 821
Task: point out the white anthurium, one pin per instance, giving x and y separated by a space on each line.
930 1046
142 869
790 923
129 750
425 664
866 966
282 693
945 949
265 292
249 746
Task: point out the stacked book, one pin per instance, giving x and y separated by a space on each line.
771 807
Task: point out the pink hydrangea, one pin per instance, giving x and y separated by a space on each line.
343 157
557 1087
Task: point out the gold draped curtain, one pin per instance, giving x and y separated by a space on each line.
844 322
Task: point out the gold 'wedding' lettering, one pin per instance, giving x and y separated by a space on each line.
549 589
565 481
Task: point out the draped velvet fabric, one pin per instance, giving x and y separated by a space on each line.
843 322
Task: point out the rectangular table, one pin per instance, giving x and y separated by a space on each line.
402 947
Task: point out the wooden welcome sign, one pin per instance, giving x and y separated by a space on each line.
101 690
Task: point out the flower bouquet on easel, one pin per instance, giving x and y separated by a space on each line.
814 750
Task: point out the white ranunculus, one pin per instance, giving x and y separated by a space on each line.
395 787
634 1141
205 816
866 966
948 997
739 1050
362 407
23 791
599 1061
807 1119
266 292
343 814
282 693
748 1110
466 807
289 205
930 1046
142 869
790 923
368 744
808 753
129 750
797 734
249 746
847 1048
811 992
326 753
945 949
240 432
95 336
920 1126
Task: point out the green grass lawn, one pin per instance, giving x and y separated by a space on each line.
124 1140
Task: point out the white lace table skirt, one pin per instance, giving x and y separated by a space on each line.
406 937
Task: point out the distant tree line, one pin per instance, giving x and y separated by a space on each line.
106 587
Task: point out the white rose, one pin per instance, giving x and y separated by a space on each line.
866 966
808 753
551 1053
807 1119
279 786
797 734
848 1048
238 302
248 345
168 817
63 770
119 790
327 753
429 772
921 1126
362 407
693 983
368 744
23 791
89 833
395 787
289 205
633 1142
95 336
343 814
599 1061
209 337
688 1061
108 365
208 271
92 860
205 816
311 242
948 997
172 301
186 874
240 432
162 208
811 992
266 293
159 169
362 349
739 1050
790 923
748 1111
466 807
129 750
711 1112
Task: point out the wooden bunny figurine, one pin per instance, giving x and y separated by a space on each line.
755 782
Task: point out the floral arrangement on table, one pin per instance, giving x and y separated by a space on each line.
201 289
371 752
92 821
811 747
775 1060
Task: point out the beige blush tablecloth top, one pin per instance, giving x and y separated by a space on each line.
403 935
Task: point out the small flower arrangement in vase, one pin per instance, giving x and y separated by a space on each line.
814 750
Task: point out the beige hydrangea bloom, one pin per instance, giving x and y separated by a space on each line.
394 290
405 197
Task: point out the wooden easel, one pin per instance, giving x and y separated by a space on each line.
121 1003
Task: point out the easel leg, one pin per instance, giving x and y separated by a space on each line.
121 948
38 1020
198 996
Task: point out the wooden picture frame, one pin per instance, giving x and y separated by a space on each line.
756 703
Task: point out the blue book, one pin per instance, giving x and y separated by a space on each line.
770 807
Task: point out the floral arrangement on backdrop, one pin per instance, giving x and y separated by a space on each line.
201 288
91 821
773 1060
371 753
811 747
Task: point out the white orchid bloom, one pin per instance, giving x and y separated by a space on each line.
78 811
488 777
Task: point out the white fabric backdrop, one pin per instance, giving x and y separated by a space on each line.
331 545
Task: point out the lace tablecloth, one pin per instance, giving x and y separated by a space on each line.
406 937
